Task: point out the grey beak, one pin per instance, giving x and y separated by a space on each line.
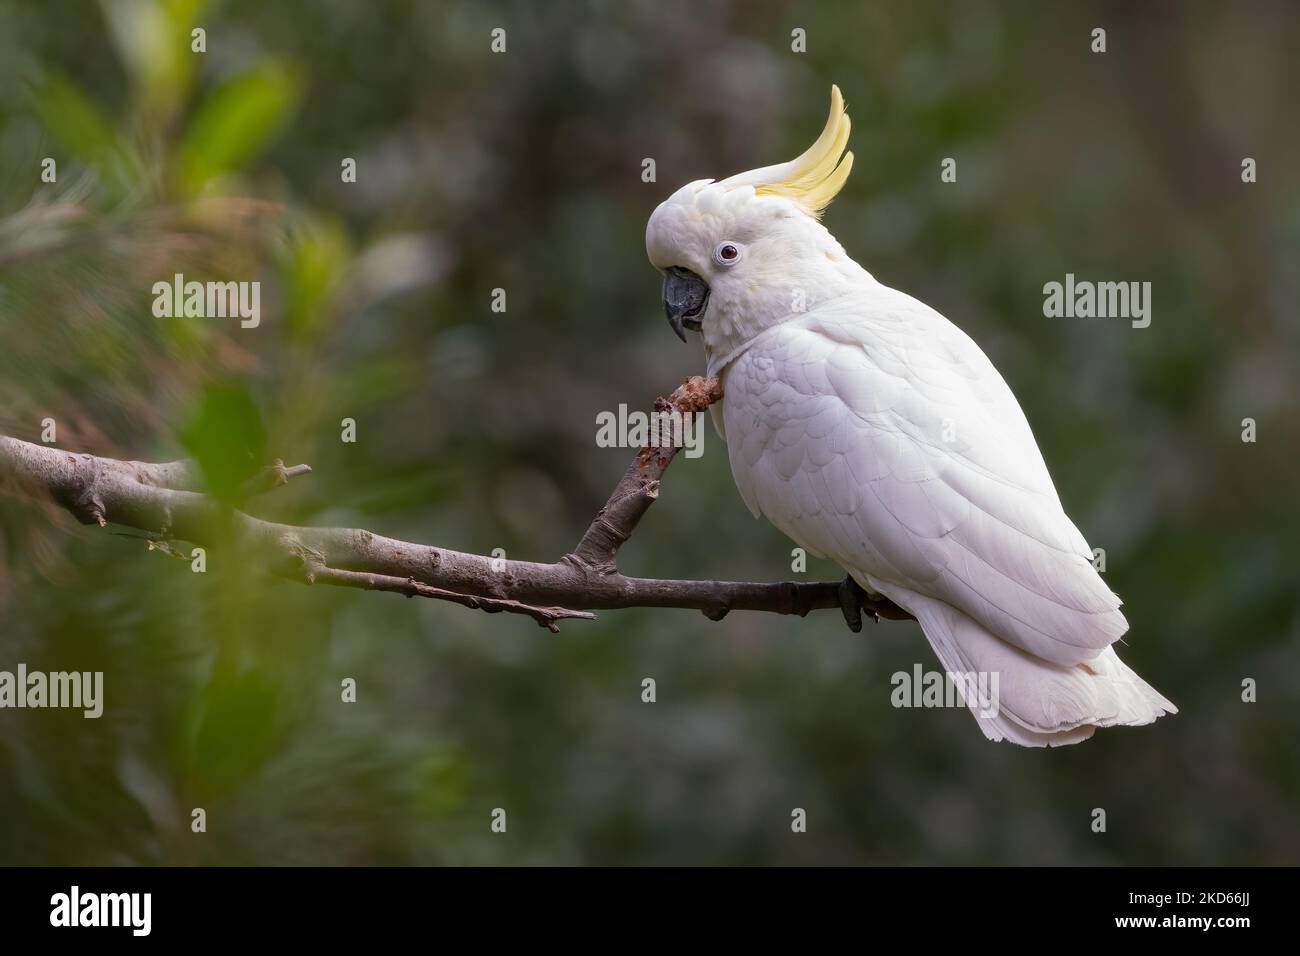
685 297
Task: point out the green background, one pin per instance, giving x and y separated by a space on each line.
476 429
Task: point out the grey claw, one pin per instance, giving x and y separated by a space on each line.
851 594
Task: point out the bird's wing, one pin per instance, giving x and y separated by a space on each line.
874 431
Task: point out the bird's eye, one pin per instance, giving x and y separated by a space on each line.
727 254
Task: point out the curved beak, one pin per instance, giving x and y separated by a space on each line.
685 297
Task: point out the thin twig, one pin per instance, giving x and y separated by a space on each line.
545 616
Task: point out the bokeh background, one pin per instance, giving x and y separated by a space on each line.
476 429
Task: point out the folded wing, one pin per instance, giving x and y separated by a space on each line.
875 432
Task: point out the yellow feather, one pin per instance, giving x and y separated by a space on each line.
819 173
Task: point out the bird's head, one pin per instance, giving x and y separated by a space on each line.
744 253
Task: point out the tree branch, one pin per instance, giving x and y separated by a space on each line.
639 487
164 500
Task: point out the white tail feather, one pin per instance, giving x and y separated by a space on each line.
1039 704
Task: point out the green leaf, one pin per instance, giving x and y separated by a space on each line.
237 121
236 727
317 259
227 438
153 41
79 126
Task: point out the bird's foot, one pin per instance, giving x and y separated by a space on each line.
853 599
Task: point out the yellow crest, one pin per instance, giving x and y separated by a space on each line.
815 178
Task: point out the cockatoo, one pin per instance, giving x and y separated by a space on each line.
871 430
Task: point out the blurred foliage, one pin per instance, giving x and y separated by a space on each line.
475 428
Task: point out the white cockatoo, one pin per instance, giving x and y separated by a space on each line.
871 430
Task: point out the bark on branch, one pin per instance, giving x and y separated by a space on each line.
165 501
